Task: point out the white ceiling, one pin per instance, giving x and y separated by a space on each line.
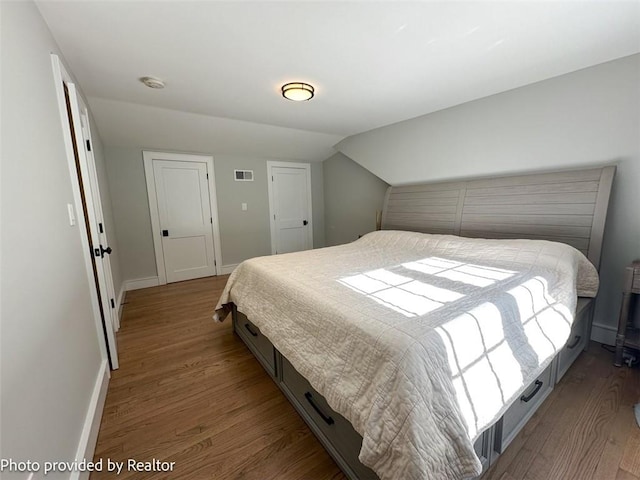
372 63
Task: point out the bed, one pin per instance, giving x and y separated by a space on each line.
419 351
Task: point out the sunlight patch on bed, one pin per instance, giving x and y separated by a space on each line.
465 342
506 368
364 284
405 302
531 297
402 294
475 344
470 274
538 312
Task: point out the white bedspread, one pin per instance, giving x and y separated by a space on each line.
420 341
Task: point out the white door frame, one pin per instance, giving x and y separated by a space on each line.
149 157
272 220
62 77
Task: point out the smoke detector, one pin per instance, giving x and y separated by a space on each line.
152 82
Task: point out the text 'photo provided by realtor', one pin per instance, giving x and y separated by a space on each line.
102 465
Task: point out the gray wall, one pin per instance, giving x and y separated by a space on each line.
49 353
127 184
317 198
587 117
243 234
352 196
248 234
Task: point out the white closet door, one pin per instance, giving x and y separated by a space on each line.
184 211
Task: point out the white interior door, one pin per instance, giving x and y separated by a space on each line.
92 210
105 254
290 205
185 220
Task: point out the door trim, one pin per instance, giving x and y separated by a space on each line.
272 222
149 157
61 76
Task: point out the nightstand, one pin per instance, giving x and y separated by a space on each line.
628 336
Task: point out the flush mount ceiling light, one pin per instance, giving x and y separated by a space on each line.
297 91
152 82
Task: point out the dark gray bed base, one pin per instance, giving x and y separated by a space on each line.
343 443
334 432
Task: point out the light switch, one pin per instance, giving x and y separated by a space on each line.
244 207
72 215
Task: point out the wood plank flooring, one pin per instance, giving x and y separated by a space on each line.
586 428
188 391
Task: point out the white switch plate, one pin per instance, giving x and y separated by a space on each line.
244 207
72 215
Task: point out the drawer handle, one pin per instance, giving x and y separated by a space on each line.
526 398
328 420
576 341
246 325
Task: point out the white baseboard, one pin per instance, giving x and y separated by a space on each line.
139 283
227 269
120 303
603 333
89 437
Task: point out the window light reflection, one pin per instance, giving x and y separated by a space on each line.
479 276
402 294
485 371
538 313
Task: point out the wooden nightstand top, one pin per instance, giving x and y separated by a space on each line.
632 278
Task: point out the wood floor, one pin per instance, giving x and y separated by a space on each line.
188 391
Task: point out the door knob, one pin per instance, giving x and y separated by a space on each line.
105 250
304 222
165 233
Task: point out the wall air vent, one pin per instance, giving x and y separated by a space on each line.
243 175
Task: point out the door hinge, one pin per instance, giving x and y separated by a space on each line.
113 303
88 145
100 227
207 176
274 216
215 264
272 178
211 218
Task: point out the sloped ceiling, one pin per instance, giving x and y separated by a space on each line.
372 63
126 124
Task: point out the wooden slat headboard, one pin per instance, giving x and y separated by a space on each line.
566 206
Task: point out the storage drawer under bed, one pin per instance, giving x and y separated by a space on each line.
578 339
259 345
523 408
337 430
329 426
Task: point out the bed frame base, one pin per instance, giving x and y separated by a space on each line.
343 443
